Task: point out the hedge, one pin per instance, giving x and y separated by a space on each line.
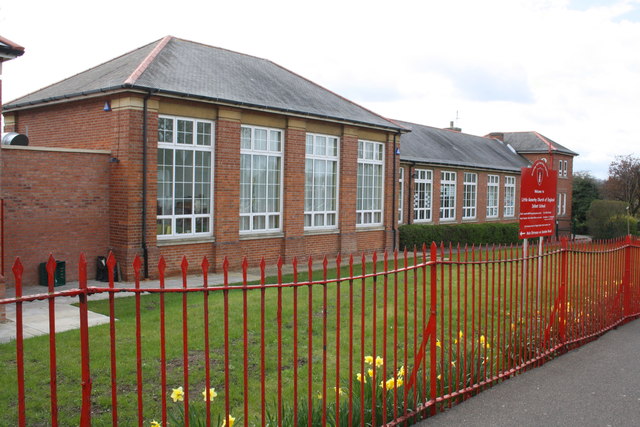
472 234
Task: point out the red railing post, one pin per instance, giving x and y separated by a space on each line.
184 265
137 265
111 264
432 321
626 281
85 414
17 274
51 268
562 315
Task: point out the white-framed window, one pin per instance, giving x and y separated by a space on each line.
422 194
509 196
400 195
561 204
185 177
563 166
370 183
321 181
493 195
260 179
447 195
470 195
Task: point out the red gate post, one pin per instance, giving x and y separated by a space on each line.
626 280
562 308
51 268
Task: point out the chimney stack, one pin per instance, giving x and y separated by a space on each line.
453 128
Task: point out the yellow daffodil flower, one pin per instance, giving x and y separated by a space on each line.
370 372
212 394
453 363
460 334
399 382
401 372
379 361
438 344
232 420
339 390
154 423
361 378
319 396
368 360
481 339
177 394
439 377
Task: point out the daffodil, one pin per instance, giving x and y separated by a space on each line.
154 423
379 361
439 377
401 372
319 395
368 360
339 390
438 343
453 363
212 394
231 420
481 339
177 394
370 372
361 378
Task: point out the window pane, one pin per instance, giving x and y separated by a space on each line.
204 133
185 132
260 142
245 138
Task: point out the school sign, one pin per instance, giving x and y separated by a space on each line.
538 190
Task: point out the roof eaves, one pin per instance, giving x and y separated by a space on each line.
460 165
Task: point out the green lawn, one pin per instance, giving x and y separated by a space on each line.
491 321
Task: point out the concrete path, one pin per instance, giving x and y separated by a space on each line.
36 313
597 384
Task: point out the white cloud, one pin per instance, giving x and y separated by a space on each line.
565 68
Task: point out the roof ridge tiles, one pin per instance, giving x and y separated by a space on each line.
141 68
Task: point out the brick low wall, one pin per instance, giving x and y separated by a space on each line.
55 201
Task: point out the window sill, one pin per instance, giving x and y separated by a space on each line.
369 228
464 220
259 236
185 241
314 232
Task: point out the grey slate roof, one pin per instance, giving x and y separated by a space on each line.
533 142
184 68
425 144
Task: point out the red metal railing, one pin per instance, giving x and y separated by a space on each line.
405 337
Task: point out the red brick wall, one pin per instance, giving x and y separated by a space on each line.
481 203
55 202
81 124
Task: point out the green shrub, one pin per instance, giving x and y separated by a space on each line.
473 234
607 219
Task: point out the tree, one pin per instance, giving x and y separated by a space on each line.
586 189
624 182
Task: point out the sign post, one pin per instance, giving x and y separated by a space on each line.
538 192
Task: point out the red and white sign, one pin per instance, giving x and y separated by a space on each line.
538 192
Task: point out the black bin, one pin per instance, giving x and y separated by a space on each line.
59 275
102 271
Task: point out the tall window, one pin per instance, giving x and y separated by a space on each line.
493 189
423 188
185 171
400 195
509 196
321 182
447 195
260 179
561 204
370 190
470 195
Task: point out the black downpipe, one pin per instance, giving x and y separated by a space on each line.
145 252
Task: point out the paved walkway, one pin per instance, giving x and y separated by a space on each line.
36 313
597 384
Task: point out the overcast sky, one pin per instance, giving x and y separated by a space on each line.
568 69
